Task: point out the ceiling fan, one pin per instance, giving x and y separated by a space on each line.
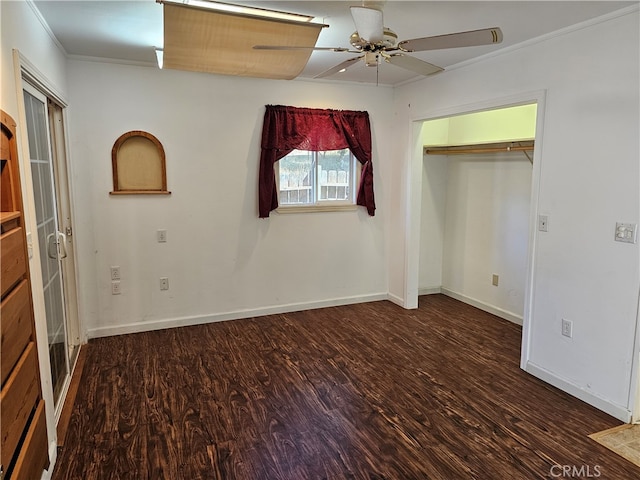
375 43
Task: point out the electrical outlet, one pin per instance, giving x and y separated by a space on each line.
543 223
115 288
164 283
567 328
115 273
495 280
162 236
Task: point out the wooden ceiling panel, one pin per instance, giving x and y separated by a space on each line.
219 42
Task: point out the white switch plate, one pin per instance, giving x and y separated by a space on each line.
162 236
626 232
164 283
115 288
543 223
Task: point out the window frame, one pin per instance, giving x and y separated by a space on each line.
355 169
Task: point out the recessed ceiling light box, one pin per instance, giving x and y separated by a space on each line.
200 39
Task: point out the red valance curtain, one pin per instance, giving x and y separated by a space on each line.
289 128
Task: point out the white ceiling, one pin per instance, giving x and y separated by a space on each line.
128 31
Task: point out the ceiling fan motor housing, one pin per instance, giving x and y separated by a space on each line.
371 59
389 40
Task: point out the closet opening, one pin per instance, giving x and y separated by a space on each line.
473 181
476 196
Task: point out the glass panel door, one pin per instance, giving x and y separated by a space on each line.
50 240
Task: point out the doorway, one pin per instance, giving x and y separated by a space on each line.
476 191
48 161
415 197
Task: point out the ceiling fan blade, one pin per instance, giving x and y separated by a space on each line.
414 64
340 66
285 47
486 36
368 23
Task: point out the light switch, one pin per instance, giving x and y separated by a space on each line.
162 236
626 232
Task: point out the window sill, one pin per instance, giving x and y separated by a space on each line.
140 192
316 208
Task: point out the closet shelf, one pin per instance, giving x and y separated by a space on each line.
522 146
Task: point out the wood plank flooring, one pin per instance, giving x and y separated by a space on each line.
368 391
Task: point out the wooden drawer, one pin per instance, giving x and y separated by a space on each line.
10 220
17 401
16 327
34 454
12 260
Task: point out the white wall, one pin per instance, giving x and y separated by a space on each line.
588 180
487 230
432 222
20 29
509 124
221 259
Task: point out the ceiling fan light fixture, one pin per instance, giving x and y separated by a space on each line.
368 23
241 9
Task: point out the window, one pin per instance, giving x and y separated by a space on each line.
289 129
322 179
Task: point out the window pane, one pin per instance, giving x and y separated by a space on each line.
334 175
296 178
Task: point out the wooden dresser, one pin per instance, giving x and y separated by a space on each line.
24 445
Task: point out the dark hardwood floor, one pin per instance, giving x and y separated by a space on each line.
369 391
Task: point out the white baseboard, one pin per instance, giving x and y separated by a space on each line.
137 327
395 299
498 312
621 413
429 290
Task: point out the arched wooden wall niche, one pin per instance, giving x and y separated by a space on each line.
139 165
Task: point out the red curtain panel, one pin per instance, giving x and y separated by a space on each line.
289 128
